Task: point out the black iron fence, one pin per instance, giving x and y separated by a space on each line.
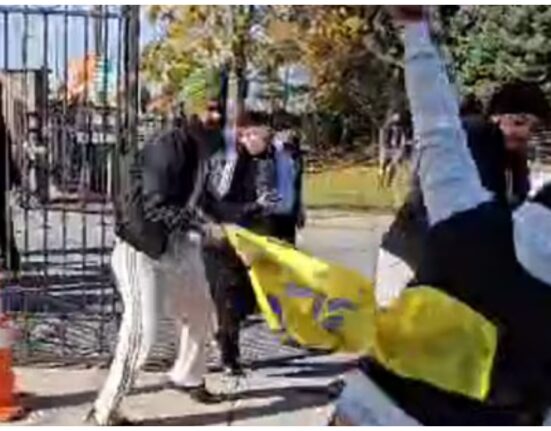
69 86
541 147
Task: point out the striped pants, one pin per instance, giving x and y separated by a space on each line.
177 281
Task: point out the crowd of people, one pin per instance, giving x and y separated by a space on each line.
183 185
468 228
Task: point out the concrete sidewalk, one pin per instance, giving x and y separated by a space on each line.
283 386
289 391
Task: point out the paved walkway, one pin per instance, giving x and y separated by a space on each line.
283 385
289 392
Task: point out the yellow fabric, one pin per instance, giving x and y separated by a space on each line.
428 335
424 334
317 304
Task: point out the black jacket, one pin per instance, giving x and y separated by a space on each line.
252 177
406 237
472 257
166 179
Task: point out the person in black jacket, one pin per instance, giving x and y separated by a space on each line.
497 144
157 263
490 256
515 109
10 177
241 189
395 142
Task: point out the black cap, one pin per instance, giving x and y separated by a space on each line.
519 98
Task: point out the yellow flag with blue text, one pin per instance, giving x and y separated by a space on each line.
316 303
424 334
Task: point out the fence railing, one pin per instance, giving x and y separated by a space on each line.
69 85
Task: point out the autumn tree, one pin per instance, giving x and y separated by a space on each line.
353 54
199 42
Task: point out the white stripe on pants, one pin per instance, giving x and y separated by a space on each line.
177 281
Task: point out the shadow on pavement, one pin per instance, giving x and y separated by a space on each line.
326 369
37 402
292 398
285 361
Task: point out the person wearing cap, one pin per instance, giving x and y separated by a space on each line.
498 143
517 108
490 256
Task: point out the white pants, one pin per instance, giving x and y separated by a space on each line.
178 282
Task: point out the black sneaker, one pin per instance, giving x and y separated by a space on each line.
234 371
198 393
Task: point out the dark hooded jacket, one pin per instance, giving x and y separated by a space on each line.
406 237
166 178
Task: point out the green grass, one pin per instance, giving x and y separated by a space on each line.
353 188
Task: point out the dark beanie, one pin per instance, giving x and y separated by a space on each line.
519 98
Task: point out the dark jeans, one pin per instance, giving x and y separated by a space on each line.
284 228
233 297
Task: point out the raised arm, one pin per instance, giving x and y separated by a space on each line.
448 175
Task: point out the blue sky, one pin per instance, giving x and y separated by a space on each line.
76 30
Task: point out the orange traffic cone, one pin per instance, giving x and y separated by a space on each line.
10 408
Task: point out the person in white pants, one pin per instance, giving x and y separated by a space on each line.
157 263
176 281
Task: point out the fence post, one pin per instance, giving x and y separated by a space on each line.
128 135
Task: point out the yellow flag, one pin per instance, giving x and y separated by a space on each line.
430 336
424 334
316 303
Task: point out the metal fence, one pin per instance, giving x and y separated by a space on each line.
69 86
541 146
